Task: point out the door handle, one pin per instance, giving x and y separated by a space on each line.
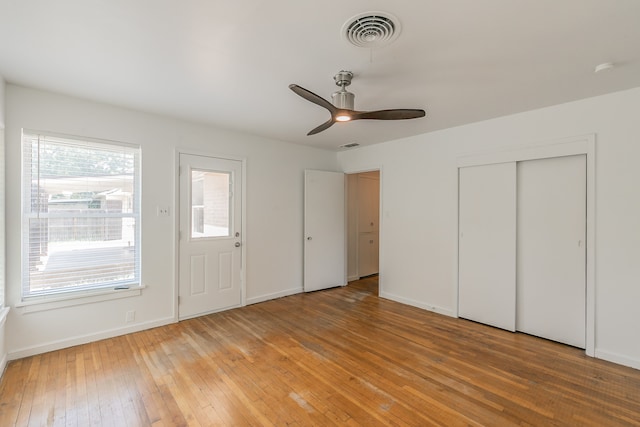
237 245
309 238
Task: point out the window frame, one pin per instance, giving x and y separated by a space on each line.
94 292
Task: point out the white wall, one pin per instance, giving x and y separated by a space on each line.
274 213
3 347
419 207
352 227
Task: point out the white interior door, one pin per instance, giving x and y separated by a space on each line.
210 253
368 223
487 241
324 230
551 255
368 254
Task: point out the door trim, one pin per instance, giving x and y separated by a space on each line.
582 144
176 224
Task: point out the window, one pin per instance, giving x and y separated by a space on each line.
81 215
210 207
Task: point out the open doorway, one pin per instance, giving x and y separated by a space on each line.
363 224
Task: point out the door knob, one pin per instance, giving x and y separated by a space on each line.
237 245
309 238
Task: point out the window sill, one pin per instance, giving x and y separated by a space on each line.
53 302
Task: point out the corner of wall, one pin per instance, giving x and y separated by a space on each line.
3 311
2 104
3 347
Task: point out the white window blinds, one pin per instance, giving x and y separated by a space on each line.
81 215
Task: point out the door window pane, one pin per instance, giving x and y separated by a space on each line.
210 207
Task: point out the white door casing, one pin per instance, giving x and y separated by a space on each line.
324 230
210 221
551 254
487 239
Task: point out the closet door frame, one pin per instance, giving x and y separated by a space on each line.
584 144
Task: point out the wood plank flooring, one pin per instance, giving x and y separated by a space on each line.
336 357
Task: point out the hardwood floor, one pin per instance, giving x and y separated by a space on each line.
336 357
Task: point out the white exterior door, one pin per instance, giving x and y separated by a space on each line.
210 252
324 230
487 242
551 255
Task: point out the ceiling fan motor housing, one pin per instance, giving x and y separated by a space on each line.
343 99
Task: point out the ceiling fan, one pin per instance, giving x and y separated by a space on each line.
341 109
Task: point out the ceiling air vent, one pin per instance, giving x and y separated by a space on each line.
371 29
350 145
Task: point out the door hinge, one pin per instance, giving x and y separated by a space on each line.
178 299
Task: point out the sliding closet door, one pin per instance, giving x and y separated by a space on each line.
551 255
487 256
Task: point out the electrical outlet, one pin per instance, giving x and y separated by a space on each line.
162 210
131 316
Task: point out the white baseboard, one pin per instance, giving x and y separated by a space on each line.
419 304
84 339
617 358
275 295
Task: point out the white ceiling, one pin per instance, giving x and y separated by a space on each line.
229 63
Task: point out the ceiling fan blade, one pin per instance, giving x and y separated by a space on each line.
312 97
396 114
326 125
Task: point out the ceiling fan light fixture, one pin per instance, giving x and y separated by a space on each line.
342 110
